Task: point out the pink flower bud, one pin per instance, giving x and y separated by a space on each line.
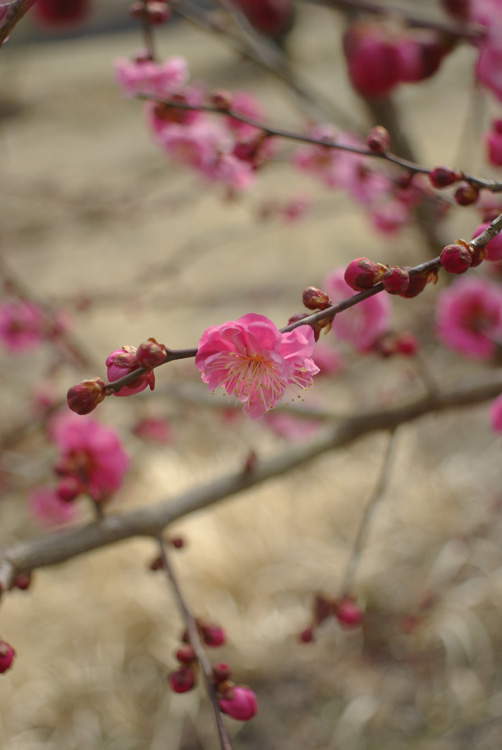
494 247
221 99
158 13
315 299
378 140
441 177
150 354
466 194
362 273
455 259
177 542
420 56
348 614
85 396
186 654
221 672
239 702
182 680
22 581
120 363
213 635
7 654
396 280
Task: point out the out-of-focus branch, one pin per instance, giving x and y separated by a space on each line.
195 642
15 12
53 549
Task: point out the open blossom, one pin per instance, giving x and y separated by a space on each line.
469 317
256 363
91 453
21 325
150 77
362 324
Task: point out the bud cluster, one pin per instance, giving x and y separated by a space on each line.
345 610
363 273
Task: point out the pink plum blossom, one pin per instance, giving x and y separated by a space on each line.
49 509
244 103
469 317
256 363
496 414
150 77
21 325
363 323
90 452
328 359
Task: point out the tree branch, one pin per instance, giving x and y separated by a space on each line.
53 549
16 11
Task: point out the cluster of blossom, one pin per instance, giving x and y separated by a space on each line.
91 461
24 325
237 701
344 609
226 150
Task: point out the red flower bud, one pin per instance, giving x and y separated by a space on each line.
239 702
85 396
7 654
186 654
362 274
221 672
348 614
22 581
442 177
150 354
396 280
213 635
177 542
307 635
417 284
69 488
455 258
315 299
182 680
221 99
406 344
466 194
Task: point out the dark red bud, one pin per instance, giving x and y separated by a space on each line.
378 140
442 177
466 194
456 258
150 354
85 396
315 299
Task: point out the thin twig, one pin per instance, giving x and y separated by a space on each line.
195 642
369 511
15 13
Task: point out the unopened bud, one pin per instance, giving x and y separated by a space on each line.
362 274
396 280
85 396
456 258
182 680
186 654
315 299
213 635
417 284
221 99
306 636
221 672
348 614
150 354
239 702
466 194
442 177
22 581
378 140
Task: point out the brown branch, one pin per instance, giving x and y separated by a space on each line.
16 11
53 549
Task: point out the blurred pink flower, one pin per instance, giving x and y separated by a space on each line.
21 325
328 360
489 63
244 103
362 324
496 414
469 317
253 361
90 452
149 77
292 427
49 509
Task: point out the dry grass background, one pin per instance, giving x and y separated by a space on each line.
89 206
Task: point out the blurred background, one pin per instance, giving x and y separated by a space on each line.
97 221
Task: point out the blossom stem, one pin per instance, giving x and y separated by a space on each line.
194 638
